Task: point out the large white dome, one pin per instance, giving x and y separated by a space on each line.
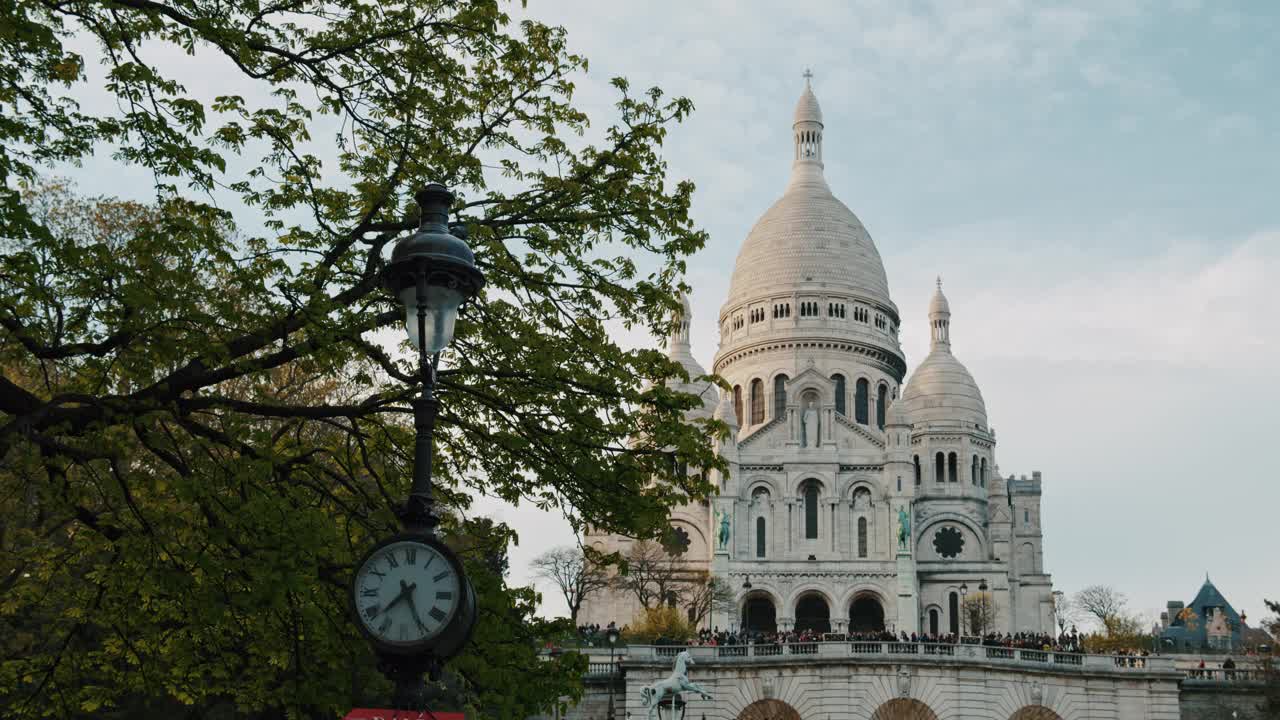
808 239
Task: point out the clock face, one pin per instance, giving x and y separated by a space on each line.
406 593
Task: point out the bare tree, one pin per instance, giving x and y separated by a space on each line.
653 575
980 610
573 572
706 594
1104 603
1065 611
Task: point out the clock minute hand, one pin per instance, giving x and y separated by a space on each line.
412 607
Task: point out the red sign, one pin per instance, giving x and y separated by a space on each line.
378 714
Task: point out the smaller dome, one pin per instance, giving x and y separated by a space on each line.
941 389
807 108
679 350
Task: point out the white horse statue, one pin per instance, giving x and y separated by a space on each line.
677 682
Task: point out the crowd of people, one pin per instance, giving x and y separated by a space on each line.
595 635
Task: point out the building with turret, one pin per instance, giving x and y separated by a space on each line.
860 496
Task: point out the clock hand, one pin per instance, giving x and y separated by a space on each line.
414 608
394 600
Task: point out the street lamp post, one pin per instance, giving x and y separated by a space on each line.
417 624
982 588
964 590
612 638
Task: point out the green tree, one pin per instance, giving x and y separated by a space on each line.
199 429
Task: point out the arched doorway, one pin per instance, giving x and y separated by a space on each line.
1035 712
768 710
904 709
759 615
866 614
812 613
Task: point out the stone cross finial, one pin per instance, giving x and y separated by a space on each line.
939 282
808 75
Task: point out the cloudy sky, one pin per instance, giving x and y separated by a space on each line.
1097 185
1095 182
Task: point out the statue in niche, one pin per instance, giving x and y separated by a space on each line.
809 436
724 530
861 499
904 528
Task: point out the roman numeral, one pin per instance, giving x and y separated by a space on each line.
385 626
375 572
411 556
368 592
444 595
404 631
429 560
391 560
371 611
442 575
437 613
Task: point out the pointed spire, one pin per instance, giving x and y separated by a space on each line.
807 136
940 320
678 340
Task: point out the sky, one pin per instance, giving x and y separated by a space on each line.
1096 184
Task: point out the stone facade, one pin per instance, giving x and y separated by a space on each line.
843 680
852 502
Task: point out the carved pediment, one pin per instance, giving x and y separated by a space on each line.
861 435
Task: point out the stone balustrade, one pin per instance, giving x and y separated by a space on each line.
896 652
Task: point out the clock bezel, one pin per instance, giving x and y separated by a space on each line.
453 632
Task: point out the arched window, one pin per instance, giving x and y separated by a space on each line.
882 397
737 404
862 537
840 391
954 612
811 511
917 463
759 537
952 472
983 477
757 401
939 468
973 471
861 399
933 621
780 396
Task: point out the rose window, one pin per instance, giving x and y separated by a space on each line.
949 542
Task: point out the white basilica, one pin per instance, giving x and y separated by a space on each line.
852 503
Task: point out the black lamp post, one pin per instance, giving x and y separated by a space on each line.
982 588
964 590
612 638
412 599
432 272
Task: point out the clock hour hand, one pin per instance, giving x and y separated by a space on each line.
405 591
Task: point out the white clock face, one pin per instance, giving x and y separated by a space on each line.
406 593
